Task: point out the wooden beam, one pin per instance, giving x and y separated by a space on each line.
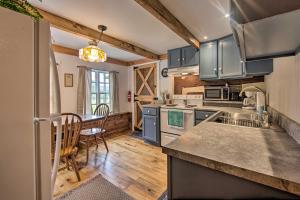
141 61
64 50
74 52
78 29
159 11
163 57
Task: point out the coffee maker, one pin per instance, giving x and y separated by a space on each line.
249 102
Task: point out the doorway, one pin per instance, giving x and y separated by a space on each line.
145 90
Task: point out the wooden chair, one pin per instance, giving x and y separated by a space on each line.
89 135
70 136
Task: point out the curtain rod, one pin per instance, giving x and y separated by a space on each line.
81 66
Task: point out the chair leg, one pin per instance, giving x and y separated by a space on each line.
87 151
67 163
75 167
102 136
95 137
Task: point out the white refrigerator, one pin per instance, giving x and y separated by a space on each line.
25 149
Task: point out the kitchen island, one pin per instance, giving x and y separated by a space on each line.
214 160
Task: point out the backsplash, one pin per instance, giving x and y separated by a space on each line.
289 125
193 81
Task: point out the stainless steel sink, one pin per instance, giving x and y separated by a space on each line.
238 119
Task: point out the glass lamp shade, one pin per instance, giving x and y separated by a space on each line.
92 53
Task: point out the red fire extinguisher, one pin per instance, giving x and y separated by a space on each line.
129 96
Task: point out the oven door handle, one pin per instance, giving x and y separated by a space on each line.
184 111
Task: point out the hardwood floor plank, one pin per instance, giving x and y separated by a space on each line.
136 167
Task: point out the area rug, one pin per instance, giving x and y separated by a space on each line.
97 188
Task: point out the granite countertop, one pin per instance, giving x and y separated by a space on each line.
266 156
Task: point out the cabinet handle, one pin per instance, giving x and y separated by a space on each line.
154 124
183 59
178 59
148 111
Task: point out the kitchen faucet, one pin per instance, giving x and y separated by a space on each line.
265 114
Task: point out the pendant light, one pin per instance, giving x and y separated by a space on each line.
93 53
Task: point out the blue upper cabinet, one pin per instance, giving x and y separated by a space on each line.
190 56
229 60
259 67
208 60
183 57
174 58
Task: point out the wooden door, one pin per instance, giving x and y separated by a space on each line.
145 90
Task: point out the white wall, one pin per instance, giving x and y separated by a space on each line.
283 86
165 83
68 64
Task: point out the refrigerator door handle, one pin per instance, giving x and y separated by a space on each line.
53 117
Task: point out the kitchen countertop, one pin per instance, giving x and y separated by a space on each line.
266 156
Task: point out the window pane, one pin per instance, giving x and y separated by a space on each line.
107 75
101 77
101 89
93 76
93 88
106 80
106 88
94 108
102 96
94 98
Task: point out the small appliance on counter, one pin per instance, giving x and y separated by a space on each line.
249 102
256 99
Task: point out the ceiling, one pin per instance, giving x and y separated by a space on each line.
128 21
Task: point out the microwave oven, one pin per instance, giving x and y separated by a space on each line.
216 93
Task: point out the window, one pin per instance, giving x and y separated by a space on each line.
100 91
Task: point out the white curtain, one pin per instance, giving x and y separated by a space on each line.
83 91
114 91
55 104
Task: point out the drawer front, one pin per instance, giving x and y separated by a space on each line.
150 111
203 114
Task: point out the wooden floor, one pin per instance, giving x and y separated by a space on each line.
137 168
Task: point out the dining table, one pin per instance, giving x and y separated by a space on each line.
90 121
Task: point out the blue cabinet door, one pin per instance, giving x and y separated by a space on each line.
150 128
208 60
229 60
174 58
190 56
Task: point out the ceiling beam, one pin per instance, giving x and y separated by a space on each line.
78 29
159 11
74 52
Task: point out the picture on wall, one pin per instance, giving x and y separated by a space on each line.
68 80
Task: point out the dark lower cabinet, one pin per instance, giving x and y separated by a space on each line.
151 125
201 115
191 181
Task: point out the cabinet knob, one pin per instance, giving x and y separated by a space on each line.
148 111
178 59
182 58
206 116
